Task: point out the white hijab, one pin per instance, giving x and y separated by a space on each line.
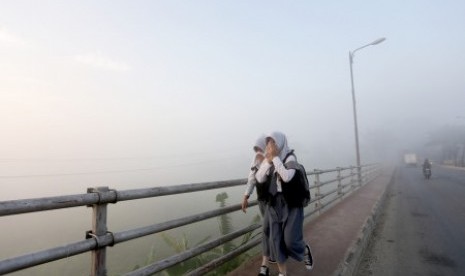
281 142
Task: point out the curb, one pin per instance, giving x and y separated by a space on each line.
453 167
352 257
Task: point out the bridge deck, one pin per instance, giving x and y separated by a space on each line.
332 234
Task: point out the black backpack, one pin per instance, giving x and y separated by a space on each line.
297 191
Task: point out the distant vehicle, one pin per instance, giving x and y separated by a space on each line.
410 159
427 168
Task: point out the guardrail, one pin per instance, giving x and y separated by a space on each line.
99 238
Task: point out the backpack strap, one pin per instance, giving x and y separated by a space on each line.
291 152
292 165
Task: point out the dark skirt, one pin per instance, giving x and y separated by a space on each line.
284 236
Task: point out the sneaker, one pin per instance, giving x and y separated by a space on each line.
308 259
271 261
280 274
264 271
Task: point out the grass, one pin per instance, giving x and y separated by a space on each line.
182 243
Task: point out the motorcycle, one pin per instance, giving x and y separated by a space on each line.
427 173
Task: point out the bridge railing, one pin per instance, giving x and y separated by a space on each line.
99 238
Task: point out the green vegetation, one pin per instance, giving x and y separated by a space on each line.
182 244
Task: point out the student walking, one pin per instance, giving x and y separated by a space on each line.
262 195
259 150
284 211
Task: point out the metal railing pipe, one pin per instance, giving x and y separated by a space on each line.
160 227
45 256
173 260
177 189
20 206
225 258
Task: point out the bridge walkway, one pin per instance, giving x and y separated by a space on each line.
338 235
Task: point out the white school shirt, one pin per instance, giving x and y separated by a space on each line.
251 181
285 174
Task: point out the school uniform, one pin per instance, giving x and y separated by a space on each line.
261 191
284 235
251 184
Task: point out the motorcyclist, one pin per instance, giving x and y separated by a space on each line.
426 165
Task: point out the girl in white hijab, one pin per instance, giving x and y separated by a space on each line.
259 149
285 235
262 193
281 143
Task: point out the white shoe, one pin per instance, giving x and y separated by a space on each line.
264 271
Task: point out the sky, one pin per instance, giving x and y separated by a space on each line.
198 81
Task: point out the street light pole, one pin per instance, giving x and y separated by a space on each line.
354 105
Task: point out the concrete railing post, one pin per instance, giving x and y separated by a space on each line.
99 228
339 182
352 180
365 175
317 191
364 171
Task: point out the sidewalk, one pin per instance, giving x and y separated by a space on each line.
337 236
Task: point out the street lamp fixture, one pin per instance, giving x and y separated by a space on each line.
357 148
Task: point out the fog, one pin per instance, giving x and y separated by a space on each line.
133 94
154 93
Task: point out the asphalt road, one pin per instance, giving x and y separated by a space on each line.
421 230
